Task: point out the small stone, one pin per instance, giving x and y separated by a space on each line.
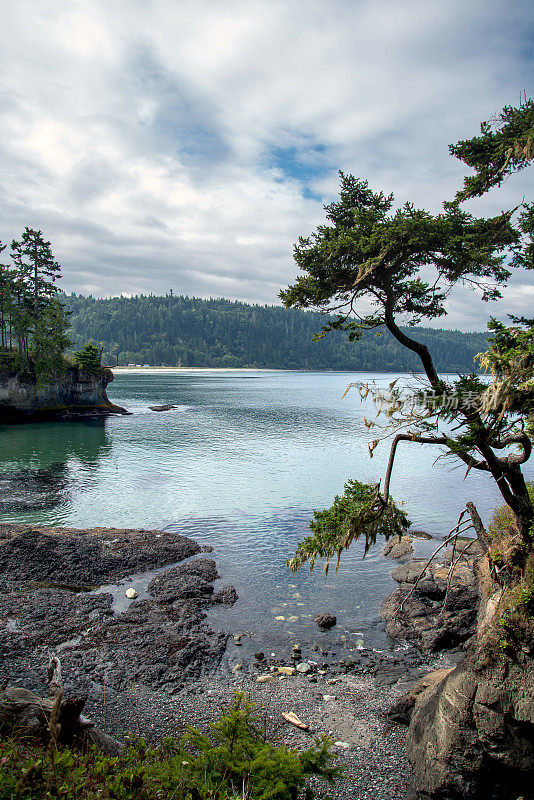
325 621
265 679
131 594
287 670
304 668
292 619
280 619
237 667
331 681
344 745
259 656
328 697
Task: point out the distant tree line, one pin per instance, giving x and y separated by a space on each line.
178 330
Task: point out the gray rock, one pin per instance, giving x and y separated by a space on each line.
226 595
82 558
402 710
154 645
472 734
434 614
185 582
398 547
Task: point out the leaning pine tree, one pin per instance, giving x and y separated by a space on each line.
403 264
472 735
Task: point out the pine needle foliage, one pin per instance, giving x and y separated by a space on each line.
359 512
505 145
89 358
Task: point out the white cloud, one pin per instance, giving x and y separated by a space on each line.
147 139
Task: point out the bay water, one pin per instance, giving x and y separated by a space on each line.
240 464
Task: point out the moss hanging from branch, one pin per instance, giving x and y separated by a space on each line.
359 512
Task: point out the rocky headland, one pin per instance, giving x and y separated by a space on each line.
69 394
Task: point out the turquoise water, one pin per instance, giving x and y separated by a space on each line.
240 465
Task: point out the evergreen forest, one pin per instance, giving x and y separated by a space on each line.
185 331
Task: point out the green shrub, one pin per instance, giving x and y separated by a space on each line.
236 760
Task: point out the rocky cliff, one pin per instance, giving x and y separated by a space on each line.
70 393
471 728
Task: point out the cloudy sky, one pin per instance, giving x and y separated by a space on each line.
186 145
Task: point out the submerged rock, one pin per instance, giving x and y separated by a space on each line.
326 620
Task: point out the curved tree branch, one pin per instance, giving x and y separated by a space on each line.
406 437
514 459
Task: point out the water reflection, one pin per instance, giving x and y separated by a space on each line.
27 490
39 462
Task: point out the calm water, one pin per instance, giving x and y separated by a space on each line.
239 465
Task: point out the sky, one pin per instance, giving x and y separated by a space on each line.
187 145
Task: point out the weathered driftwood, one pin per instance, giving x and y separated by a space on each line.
25 714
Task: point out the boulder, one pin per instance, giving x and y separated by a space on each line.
472 733
401 711
226 595
398 547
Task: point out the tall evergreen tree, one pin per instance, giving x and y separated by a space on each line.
37 267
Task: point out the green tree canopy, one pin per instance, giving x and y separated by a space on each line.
89 358
373 266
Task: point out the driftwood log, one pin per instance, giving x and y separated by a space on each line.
24 714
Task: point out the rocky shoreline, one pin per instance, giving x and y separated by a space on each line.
436 604
49 602
151 665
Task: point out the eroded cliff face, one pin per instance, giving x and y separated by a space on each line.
73 392
471 734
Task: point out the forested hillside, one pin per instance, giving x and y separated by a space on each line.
176 330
